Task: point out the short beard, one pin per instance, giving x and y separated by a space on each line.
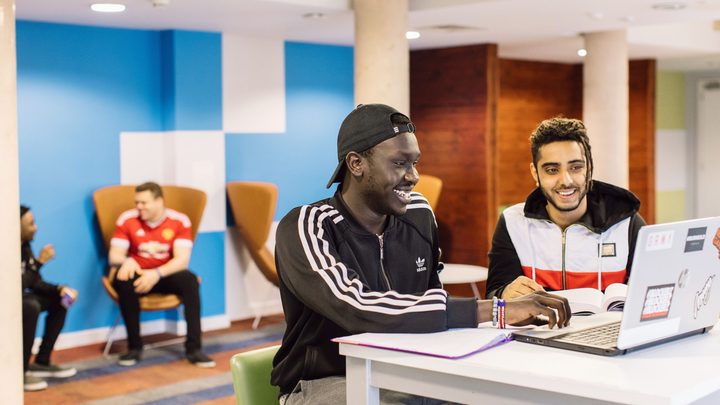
549 199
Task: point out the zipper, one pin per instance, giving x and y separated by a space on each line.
382 259
564 276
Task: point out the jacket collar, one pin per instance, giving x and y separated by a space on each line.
607 205
339 203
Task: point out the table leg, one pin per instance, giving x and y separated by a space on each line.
358 383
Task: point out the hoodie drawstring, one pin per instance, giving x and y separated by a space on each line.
532 249
600 261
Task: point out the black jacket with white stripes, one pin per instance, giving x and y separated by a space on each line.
338 279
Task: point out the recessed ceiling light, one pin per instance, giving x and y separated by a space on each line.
412 35
582 52
669 5
596 15
108 7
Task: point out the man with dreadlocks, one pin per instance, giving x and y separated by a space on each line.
572 231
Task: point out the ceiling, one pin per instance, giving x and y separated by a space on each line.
687 38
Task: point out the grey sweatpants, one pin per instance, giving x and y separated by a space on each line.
331 391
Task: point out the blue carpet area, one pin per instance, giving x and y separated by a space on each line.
197 396
167 355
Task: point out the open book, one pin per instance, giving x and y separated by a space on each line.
450 344
586 301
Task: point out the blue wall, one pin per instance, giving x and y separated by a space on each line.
192 80
79 87
319 94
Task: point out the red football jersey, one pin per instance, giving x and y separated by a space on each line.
152 244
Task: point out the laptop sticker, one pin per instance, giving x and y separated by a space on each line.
683 278
695 239
659 240
703 296
657 302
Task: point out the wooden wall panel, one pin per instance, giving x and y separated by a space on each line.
474 114
453 102
529 93
642 135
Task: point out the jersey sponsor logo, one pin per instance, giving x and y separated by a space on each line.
420 263
168 234
154 250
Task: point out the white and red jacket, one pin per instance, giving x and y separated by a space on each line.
594 252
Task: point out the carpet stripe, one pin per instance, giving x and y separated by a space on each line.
197 396
207 386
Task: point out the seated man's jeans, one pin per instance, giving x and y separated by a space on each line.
184 284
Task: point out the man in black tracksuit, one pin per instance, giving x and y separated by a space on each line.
366 260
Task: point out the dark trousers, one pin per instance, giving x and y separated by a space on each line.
33 305
184 284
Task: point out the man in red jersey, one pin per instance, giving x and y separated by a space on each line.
150 253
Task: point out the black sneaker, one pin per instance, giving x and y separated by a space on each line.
50 370
31 383
130 358
199 359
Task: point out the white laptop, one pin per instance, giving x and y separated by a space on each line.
673 292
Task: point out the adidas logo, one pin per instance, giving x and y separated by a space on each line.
420 265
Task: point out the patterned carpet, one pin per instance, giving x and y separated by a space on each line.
162 377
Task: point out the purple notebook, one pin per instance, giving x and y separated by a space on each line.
450 344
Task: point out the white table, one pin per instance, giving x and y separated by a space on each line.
454 273
679 372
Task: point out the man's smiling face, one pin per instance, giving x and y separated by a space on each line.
561 173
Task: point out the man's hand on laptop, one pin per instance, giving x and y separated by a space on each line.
538 308
519 287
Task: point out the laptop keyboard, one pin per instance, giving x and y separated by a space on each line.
599 336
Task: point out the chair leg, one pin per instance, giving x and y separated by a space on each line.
108 345
167 342
256 321
475 290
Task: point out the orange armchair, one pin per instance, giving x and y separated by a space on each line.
112 201
430 187
253 207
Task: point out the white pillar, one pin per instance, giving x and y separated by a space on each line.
10 301
382 57
605 104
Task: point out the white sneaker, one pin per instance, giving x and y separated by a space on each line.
51 370
31 383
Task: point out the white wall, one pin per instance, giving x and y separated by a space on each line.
707 153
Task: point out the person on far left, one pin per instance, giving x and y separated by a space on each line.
38 296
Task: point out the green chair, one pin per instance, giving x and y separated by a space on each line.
251 377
